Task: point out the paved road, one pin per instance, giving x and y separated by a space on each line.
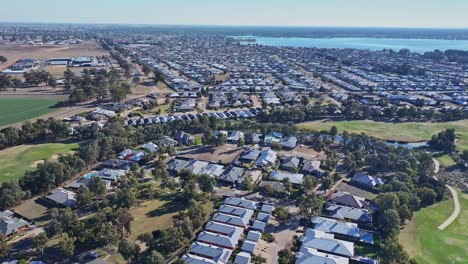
455 212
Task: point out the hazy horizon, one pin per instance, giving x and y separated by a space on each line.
435 14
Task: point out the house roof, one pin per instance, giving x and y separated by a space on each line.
327 243
196 166
263 217
63 197
231 219
258 225
367 180
177 164
9 224
346 212
290 162
213 170
267 208
276 186
242 258
231 231
236 211
267 158
239 202
313 256
150 146
217 239
294 178
348 199
231 174
216 254
194 259
248 246
250 154
311 165
254 236
289 142
336 227
110 174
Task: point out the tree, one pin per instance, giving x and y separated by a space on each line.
310 204
309 183
67 246
83 195
124 220
248 184
427 196
126 198
10 194
285 256
39 242
387 201
393 252
281 214
389 222
333 131
4 247
128 249
206 183
52 82
97 186
326 183
155 258
3 59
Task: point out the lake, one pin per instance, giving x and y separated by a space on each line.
415 45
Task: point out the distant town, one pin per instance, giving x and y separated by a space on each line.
199 145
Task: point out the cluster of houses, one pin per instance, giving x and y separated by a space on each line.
231 114
334 236
228 100
22 65
232 234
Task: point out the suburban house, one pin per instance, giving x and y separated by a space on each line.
249 155
62 197
242 258
366 180
174 166
196 166
231 175
240 221
343 230
290 163
117 164
288 143
204 253
248 246
360 216
166 141
307 255
150 146
326 243
239 202
218 240
232 137
347 199
312 167
273 137
213 170
132 155
273 188
267 158
183 138
111 175
253 138
11 225
294 178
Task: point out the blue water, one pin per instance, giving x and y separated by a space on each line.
415 45
89 175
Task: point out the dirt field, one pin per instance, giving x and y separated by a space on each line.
33 210
305 152
14 53
224 154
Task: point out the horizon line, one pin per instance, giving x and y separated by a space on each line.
227 25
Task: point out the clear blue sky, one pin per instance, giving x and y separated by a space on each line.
373 13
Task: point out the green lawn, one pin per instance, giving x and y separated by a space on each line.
410 131
445 161
17 109
15 161
424 241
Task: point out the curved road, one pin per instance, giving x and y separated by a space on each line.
455 212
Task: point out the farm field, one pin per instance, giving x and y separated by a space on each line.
408 132
17 109
15 161
424 241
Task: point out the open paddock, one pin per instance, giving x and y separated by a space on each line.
224 154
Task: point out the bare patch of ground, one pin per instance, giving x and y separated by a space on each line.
224 154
